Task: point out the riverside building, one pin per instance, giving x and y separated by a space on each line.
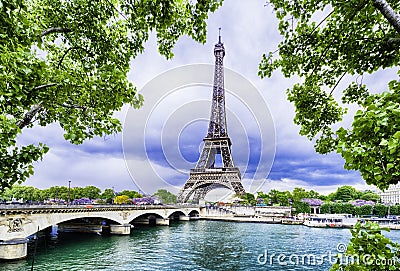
390 195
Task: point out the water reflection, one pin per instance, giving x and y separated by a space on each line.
194 245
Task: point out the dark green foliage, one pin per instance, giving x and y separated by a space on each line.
301 207
366 209
348 208
130 193
394 210
345 193
370 196
58 193
166 196
248 198
67 62
108 195
373 250
326 208
337 208
380 210
324 42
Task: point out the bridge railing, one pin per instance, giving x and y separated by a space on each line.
91 206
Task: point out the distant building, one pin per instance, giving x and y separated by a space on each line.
390 195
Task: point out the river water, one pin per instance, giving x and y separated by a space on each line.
194 245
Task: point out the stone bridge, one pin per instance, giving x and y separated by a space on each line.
19 222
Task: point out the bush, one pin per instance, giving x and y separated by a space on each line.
326 208
366 209
301 207
368 249
348 208
380 210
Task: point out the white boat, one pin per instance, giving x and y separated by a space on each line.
331 221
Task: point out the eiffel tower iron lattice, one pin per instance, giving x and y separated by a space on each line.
206 176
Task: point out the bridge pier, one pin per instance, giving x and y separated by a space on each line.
124 229
14 249
162 222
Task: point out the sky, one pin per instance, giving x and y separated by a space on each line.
161 142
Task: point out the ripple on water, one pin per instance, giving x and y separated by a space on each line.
196 245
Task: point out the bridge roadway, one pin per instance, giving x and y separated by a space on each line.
17 222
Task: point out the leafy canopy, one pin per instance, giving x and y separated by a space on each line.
368 249
324 42
67 62
166 196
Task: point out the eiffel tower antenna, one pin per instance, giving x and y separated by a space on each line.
208 175
219 35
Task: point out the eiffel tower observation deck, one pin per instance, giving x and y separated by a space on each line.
207 175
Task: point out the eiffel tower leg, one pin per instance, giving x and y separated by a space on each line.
207 157
226 154
199 194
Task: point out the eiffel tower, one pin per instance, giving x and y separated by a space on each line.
206 176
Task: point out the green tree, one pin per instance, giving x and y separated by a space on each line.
301 207
77 193
371 247
394 210
273 196
248 198
357 211
345 193
279 198
57 192
67 62
262 195
370 196
166 196
299 193
348 208
315 195
366 209
108 195
326 208
380 210
337 208
325 42
131 194
331 196
91 192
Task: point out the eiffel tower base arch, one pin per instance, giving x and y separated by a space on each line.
202 181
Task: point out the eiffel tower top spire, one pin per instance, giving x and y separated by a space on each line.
217 126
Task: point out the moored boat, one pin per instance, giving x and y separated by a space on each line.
292 221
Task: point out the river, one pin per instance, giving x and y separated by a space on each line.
195 245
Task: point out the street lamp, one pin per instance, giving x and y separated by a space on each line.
112 201
69 192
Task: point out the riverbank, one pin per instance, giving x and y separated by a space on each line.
289 221
268 220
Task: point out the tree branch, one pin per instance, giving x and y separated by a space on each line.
387 11
393 41
45 86
55 30
26 120
62 58
337 83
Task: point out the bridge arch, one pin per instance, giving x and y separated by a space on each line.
45 223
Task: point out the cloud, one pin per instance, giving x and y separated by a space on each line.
162 140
